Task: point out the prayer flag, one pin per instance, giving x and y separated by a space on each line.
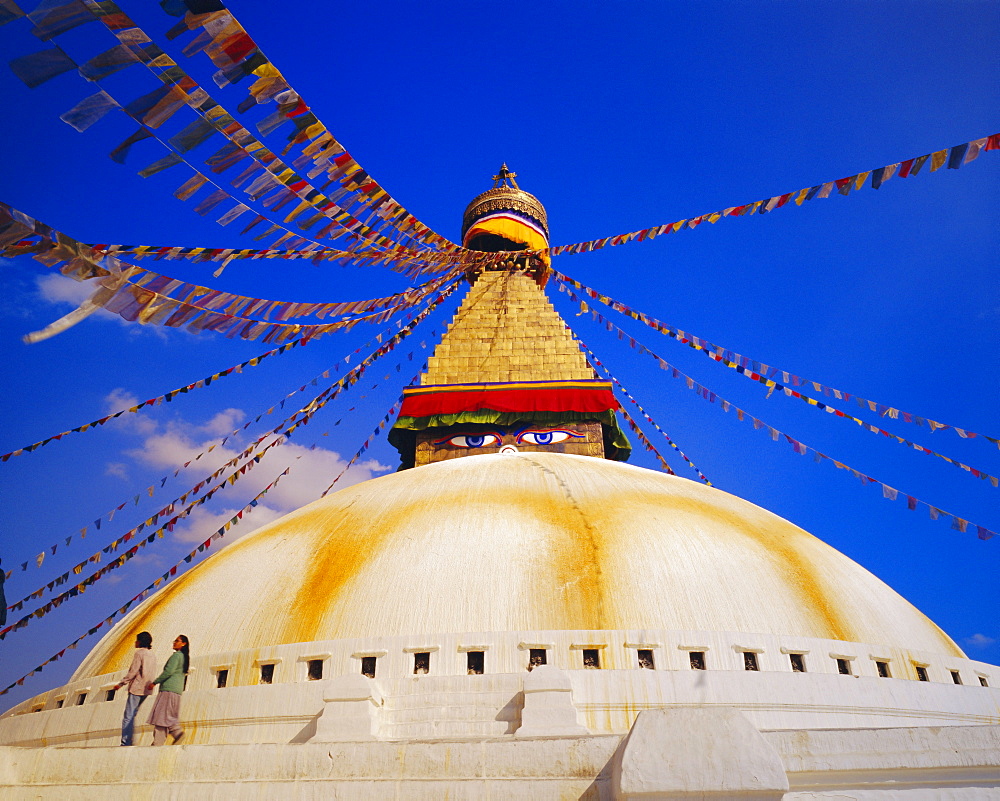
956 158
89 110
35 69
169 160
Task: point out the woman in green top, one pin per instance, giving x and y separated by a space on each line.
167 707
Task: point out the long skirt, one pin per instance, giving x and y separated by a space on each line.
166 710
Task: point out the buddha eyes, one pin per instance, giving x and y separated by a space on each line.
550 437
473 440
488 439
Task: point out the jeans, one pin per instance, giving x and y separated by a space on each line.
128 721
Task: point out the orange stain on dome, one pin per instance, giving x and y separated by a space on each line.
338 561
577 548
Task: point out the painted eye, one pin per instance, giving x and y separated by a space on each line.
473 440
546 437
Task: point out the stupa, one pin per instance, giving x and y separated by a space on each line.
519 613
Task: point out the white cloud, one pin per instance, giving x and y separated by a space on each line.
224 422
312 471
62 290
119 399
173 447
179 441
117 469
202 524
979 641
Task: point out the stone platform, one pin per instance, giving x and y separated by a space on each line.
669 754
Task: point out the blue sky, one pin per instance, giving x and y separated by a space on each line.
616 120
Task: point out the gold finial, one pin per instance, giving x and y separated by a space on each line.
505 178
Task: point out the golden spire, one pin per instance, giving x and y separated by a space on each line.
505 178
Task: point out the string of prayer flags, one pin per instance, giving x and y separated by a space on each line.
263 309
655 425
170 574
371 438
72 646
150 111
306 413
391 344
759 371
316 255
827 407
641 436
347 382
165 398
54 247
802 449
186 140
595 362
369 257
137 301
296 420
890 493
77 590
21 228
183 89
226 43
120 561
169 511
955 157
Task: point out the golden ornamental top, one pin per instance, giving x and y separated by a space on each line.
505 196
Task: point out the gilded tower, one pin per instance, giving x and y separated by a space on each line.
508 374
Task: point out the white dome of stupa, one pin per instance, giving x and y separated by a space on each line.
527 541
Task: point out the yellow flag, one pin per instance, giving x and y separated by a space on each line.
305 204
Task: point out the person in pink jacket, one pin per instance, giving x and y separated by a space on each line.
140 673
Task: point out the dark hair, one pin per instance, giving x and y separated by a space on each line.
184 650
145 639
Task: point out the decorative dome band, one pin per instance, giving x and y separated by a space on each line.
505 198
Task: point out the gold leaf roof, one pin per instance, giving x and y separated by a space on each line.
505 198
